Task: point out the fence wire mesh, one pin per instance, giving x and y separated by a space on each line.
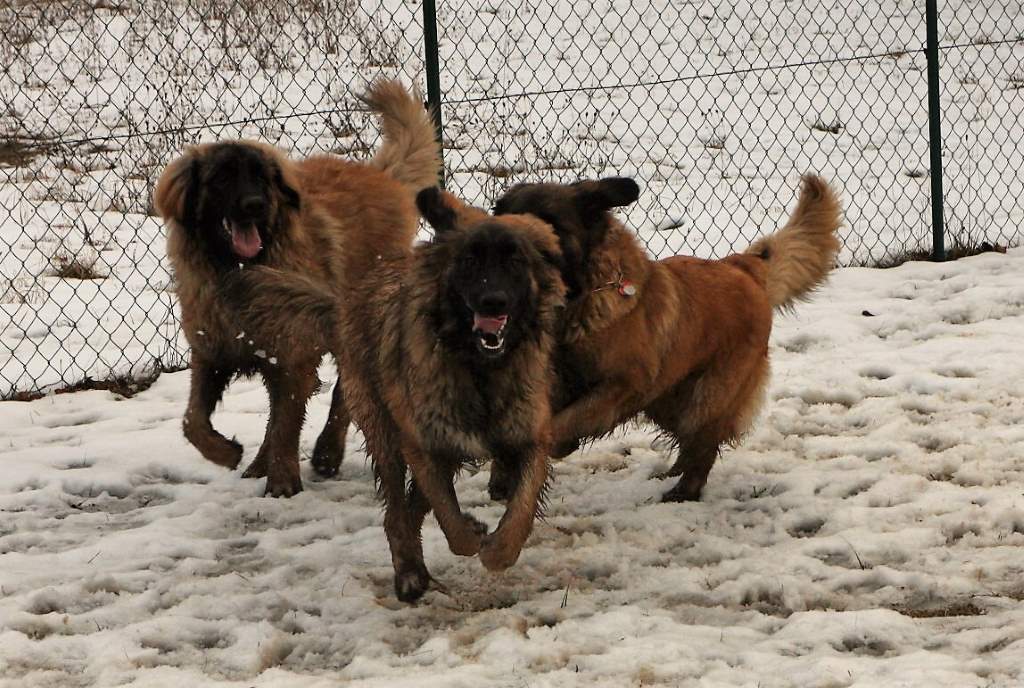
715 108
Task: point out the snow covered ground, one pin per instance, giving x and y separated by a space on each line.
868 533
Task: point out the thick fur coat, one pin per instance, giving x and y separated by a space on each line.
683 341
445 355
235 205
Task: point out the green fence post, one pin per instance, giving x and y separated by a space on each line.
935 129
433 73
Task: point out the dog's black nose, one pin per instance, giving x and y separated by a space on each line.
494 303
253 206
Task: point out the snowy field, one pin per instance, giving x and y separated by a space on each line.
868 533
716 108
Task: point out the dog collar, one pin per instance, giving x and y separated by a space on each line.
622 285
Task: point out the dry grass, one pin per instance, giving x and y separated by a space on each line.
826 127
76 266
19 153
123 384
941 611
714 141
963 246
21 291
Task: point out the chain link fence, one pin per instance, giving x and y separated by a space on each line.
715 108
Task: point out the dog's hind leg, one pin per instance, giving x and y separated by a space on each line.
289 389
728 404
403 518
208 384
695 461
682 448
330 445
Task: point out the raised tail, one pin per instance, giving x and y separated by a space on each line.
801 254
267 292
410 152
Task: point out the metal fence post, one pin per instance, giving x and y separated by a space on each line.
935 129
433 73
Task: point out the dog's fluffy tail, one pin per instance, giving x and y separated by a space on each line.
263 290
410 152
801 254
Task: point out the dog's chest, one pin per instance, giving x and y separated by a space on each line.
471 421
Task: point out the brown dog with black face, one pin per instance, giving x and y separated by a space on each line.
444 354
233 205
683 341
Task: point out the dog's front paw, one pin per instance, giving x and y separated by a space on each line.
564 449
497 554
683 492
466 543
225 452
502 483
326 460
257 469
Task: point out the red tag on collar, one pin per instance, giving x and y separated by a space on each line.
627 288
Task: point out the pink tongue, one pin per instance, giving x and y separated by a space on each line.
245 241
490 325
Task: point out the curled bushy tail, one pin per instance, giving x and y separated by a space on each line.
409 152
267 292
801 254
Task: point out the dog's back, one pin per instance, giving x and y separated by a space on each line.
682 340
377 213
722 308
375 198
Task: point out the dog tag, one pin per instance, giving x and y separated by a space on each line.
627 288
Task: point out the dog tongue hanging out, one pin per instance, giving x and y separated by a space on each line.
245 240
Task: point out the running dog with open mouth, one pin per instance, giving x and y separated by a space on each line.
444 353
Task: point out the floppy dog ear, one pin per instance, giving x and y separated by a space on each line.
175 194
285 185
501 206
434 210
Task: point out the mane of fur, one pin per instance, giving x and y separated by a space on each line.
426 365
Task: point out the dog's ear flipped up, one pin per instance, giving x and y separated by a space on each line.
597 197
435 210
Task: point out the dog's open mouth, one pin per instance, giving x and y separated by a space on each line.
490 333
245 239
